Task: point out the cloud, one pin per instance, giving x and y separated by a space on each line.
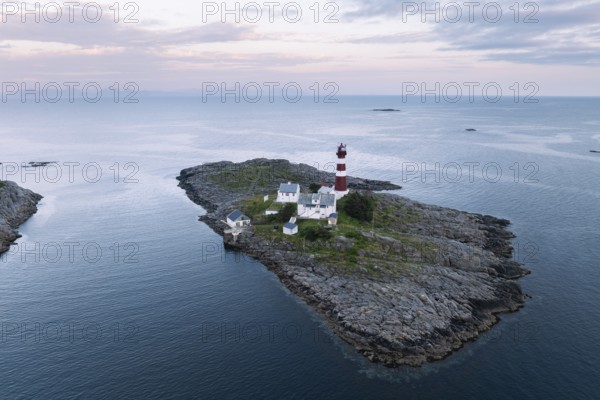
106 33
95 51
565 33
396 38
566 56
370 46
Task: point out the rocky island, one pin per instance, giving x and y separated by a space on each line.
16 206
411 285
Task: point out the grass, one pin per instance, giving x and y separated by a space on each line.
240 179
374 257
255 206
261 176
276 206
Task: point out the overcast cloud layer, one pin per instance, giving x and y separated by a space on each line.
375 47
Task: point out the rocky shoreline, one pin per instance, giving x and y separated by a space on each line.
416 287
17 205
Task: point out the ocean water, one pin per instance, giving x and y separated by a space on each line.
117 291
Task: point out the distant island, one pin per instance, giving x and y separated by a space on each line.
386 110
401 281
37 164
17 205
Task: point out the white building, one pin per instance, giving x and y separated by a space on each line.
288 193
238 219
316 206
290 229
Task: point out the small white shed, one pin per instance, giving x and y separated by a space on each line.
290 229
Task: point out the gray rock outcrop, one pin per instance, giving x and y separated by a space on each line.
16 206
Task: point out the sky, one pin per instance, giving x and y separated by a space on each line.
548 47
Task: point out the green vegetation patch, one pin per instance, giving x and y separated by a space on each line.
387 245
359 206
314 233
243 178
314 187
255 206
287 212
259 176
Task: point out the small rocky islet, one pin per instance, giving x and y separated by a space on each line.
411 286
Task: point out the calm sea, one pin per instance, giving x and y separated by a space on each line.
117 291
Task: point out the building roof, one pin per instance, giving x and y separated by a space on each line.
289 188
326 189
328 199
289 225
317 199
237 215
305 198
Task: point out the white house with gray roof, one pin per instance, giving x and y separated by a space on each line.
288 193
316 205
290 229
238 219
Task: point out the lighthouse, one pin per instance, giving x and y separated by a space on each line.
341 188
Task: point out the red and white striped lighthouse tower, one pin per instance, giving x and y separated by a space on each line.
341 188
